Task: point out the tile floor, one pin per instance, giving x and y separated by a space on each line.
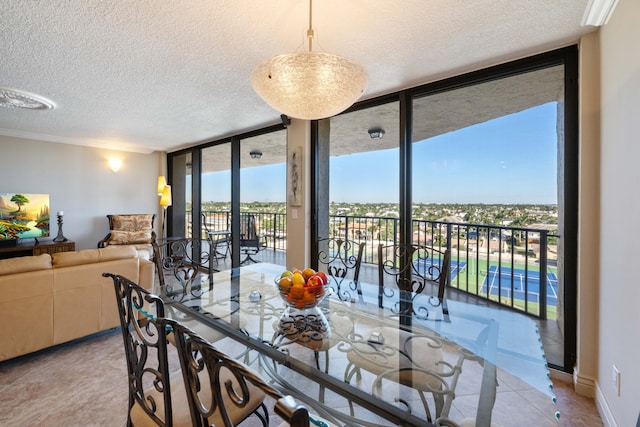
83 383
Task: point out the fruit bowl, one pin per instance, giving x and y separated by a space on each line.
302 289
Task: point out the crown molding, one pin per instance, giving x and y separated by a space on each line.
94 143
598 12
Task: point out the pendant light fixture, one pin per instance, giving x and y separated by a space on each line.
309 85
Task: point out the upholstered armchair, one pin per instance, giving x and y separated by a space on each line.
136 230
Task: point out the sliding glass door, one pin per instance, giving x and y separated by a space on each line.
216 188
358 157
487 185
483 165
263 195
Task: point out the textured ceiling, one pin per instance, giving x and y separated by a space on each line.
145 75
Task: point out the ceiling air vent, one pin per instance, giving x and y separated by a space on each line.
12 98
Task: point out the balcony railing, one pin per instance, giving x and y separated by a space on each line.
512 266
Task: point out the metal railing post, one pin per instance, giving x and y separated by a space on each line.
543 274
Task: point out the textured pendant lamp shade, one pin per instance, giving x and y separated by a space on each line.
309 85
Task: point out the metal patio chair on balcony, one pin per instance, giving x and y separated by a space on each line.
250 241
219 240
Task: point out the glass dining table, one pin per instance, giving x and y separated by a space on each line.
376 356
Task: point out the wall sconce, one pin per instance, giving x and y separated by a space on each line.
115 164
255 154
162 182
376 133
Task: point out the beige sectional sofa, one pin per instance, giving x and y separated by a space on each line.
51 299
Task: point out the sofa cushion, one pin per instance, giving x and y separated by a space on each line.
132 222
112 253
144 251
119 237
25 264
91 256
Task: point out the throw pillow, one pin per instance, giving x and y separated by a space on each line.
132 222
119 237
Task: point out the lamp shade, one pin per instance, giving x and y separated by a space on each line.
165 199
309 85
162 182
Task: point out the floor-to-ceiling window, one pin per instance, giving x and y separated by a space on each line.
216 187
482 164
181 180
487 185
358 163
388 167
245 173
263 193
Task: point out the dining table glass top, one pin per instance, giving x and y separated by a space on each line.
371 356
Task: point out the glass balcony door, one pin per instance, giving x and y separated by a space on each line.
263 195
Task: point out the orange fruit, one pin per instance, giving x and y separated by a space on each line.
309 298
285 281
296 293
285 284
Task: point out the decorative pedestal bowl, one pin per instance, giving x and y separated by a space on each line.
301 297
302 320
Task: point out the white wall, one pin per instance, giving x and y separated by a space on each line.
619 304
80 183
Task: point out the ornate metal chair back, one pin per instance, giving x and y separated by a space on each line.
145 350
413 267
182 258
220 387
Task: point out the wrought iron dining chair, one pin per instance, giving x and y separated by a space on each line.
250 241
235 389
184 269
179 260
151 386
415 268
341 259
416 360
157 396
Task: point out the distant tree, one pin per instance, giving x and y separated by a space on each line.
20 200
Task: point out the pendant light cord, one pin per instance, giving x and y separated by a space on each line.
310 30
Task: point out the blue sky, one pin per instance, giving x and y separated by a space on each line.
512 159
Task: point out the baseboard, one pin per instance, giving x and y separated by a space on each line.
561 376
584 385
603 409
